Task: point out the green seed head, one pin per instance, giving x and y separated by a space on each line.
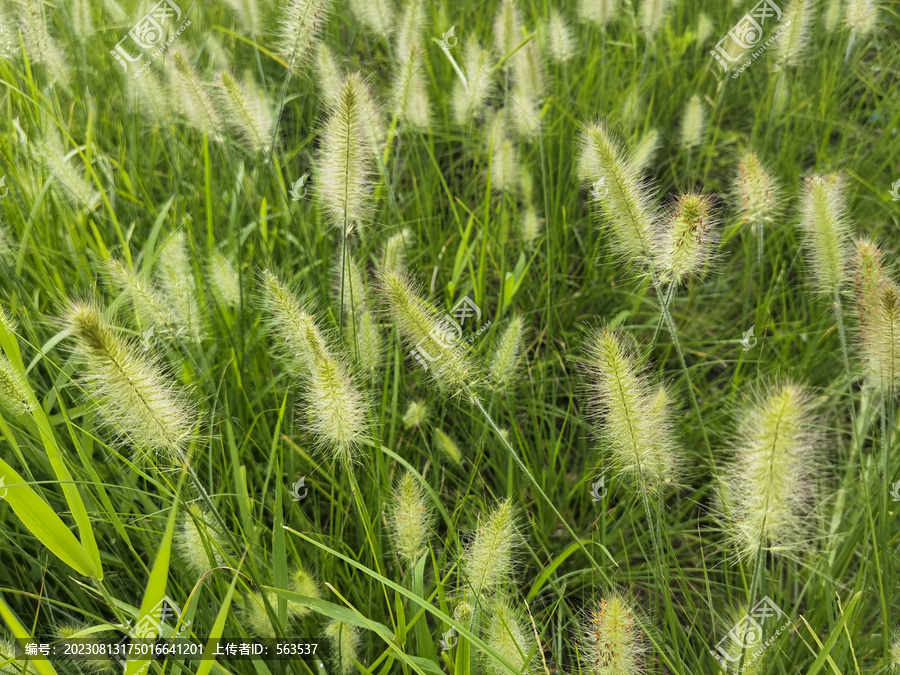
199 540
686 243
693 123
824 221
505 357
344 640
611 639
624 201
755 191
416 414
410 520
448 446
767 490
134 397
636 425
488 561
509 634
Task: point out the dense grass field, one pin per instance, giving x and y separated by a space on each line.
546 337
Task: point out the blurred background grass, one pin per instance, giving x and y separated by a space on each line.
159 178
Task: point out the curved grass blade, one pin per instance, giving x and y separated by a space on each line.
43 523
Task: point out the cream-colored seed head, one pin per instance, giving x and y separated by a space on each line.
767 489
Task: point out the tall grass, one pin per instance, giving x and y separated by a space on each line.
500 219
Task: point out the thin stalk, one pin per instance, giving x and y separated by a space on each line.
490 420
670 323
849 47
887 427
839 316
659 323
553 508
777 94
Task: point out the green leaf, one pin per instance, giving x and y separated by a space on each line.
21 633
156 588
461 629
218 628
825 652
88 544
43 522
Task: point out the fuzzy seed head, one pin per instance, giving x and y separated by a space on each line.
734 648
488 560
82 22
505 357
248 14
509 634
336 409
376 15
469 102
344 640
416 414
624 201
410 95
878 311
895 651
525 112
687 240
7 242
463 611
411 28
826 225
9 36
328 75
793 44
197 538
528 71
302 583
225 280
16 397
860 16
632 107
411 520
176 281
645 151
147 96
190 93
247 112
507 29
756 192
134 397
297 337
299 28
531 225
636 424
704 28
504 165
448 446
346 158
653 15
40 46
257 618
395 249
767 490
432 342
693 123
147 299
611 639
71 180
560 41
597 12
832 15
